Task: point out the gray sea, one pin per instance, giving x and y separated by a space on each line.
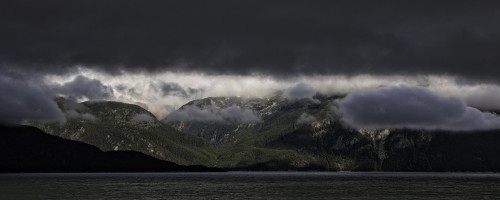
251 185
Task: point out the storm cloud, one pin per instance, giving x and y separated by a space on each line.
23 101
485 97
163 54
82 87
412 107
175 89
277 37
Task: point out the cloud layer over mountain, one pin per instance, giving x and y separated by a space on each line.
412 107
22 100
82 87
300 91
215 114
163 54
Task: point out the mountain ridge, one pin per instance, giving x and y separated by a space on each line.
303 134
314 129
119 126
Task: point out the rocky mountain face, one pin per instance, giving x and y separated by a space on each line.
114 126
298 134
274 116
308 134
272 134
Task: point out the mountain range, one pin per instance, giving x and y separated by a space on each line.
272 133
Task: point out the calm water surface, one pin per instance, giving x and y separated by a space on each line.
251 185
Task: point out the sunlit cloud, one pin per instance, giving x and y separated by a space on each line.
162 93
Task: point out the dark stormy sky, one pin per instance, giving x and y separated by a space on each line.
161 54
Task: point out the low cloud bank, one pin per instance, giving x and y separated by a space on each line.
24 100
82 87
174 89
212 113
414 108
165 92
300 91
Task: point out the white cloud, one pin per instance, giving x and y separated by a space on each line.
300 91
162 93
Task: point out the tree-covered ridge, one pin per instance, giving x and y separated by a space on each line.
310 134
114 126
288 135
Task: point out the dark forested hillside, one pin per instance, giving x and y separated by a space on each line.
114 126
28 149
